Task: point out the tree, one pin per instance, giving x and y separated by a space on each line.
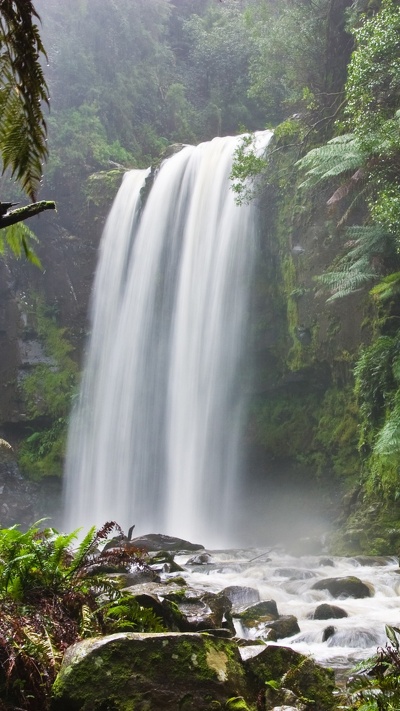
23 94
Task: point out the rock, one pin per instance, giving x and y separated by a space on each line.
328 632
326 562
373 560
291 670
156 672
201 559
137 577
163 558
184 609
285 626
241 596
328 612
345 587
262 611
160 542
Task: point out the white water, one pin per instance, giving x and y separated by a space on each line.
281 577
155 439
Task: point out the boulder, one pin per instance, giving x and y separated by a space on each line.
160 542
184 609
345 587
261 612
328 612
285 626
152 672
292 671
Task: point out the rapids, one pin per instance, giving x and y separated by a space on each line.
288 580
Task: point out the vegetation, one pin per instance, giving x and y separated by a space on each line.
48 391
23 144
375 684
52 595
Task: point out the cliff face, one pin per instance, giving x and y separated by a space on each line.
64 284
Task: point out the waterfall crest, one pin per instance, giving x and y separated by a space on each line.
155 437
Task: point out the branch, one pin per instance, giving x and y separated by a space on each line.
24 213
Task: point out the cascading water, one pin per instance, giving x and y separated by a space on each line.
155 438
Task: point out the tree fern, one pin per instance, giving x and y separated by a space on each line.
340 155
360 264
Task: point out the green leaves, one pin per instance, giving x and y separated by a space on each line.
23 93
340 155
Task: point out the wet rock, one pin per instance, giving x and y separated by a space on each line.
18 496
285 626
326 562
328 612
241 597
160 542
265 611
373 560
137 577
152 671
328 632
345 587
163 561
291 670
185 609
201 559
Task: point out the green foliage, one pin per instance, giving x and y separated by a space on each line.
52 595
48 392
340 155
375 683
361 263
23 144
18 239
301 57
248 166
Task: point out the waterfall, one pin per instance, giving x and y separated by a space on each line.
155 437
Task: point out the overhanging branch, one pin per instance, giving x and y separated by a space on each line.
24 213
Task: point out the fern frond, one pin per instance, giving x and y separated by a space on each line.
340 155
23 94
387 288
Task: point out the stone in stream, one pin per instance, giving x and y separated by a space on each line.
349 586
328 612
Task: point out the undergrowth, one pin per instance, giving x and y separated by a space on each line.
52 595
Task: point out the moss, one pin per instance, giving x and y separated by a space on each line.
188 670
237 703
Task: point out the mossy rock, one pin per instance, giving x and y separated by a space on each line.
311 683
262 611
149 672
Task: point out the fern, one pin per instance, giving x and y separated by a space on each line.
388 288
340 155
24 92
359 265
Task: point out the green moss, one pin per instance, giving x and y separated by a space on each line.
237 703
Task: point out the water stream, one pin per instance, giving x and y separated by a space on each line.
288 580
